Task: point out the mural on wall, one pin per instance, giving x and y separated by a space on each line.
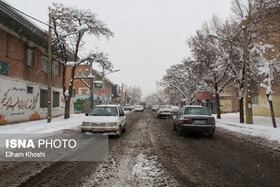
2 119
35 116
20 101
9 102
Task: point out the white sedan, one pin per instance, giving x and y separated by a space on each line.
139 108
108 119
164 111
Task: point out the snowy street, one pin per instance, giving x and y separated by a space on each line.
150 153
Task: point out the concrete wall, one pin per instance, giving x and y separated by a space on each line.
262 109
17 105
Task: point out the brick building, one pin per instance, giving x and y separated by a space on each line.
108 93
23 70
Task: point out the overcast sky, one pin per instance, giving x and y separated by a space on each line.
150 35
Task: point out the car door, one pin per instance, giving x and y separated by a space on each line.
178 116
122 117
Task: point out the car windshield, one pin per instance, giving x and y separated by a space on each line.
138 106
196 111
165 107
104 111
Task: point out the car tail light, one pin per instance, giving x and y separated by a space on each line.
160 112
212 122
186 121
171 112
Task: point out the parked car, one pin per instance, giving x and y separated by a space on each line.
175 109
109 119
164 111
155 107
128 107
195 119
139 108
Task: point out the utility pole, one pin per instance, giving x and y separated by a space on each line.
50 71
189 87
103 89
246 65
91 87
122 96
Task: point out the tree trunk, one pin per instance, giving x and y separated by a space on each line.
218 102
67 109
241 110
218 106
272 111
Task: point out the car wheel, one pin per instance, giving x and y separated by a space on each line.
210 134
174 127
119 132
124 128
180 132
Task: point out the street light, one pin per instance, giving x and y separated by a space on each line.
246 66
80 29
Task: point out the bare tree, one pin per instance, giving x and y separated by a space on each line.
134 93
213 70
66 20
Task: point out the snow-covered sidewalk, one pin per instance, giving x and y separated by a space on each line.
261 127
42 126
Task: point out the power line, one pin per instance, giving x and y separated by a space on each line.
27 15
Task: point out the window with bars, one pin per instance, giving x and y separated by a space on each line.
43 98
55 99
30 56
255 99
56 68
44 63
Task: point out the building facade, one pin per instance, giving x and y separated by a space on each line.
23 70
81 92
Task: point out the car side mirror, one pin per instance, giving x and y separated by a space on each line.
121 114
86 114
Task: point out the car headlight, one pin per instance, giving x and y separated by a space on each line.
111 124
86 124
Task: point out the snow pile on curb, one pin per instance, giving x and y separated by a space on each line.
42 126
261 127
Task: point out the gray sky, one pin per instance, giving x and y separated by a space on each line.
150 35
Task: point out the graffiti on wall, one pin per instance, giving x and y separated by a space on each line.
9 102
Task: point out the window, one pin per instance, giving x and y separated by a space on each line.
44 63
43 98
120 111
255 99
30 56
55 99
29 89
56 68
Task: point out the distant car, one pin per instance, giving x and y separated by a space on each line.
109 119
128 107
155 107
175 109
164 111
139 108
195 119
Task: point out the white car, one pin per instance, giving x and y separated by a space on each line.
175 109
108 119
139 108
164 111
155 107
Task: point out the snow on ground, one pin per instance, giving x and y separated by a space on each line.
261 127
42 126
